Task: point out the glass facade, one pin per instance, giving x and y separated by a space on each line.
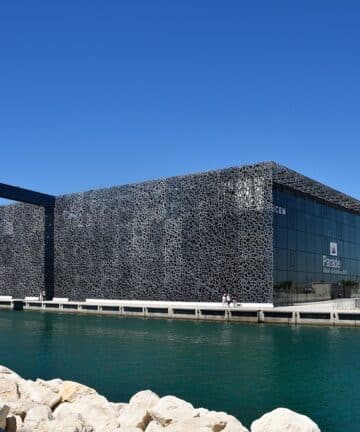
316 249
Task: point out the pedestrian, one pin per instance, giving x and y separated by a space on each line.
41 296
228 299
224 299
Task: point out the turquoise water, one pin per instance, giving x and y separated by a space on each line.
245 370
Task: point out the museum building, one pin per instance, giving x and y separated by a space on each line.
262 232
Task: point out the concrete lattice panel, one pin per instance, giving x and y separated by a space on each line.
21 250
184 238
191 237
307 186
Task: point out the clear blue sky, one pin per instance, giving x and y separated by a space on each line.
100 93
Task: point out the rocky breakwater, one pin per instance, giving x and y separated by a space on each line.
66 406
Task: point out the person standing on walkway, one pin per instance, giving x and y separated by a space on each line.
224 299
228 299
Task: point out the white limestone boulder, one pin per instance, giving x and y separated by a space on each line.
204 423
134 417
67 406
128 429
284 420
9 389
54 385
188 426
9 384
37 419
136 413
39 393
234 427
154 426
70 391
70 423
144 398
220 421
94 409
118 407
21 406
171 409
6 372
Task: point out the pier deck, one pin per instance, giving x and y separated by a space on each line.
345 312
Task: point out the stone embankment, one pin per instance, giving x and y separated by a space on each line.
66 406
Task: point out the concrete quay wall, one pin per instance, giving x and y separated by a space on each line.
195 311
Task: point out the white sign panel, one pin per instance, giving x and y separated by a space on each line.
333 249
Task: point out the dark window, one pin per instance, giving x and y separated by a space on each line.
213 312
51 306
349 316
272 314
244 313
89 307
184 311
157 310
302 238
314 315
110 308
70 306
133 309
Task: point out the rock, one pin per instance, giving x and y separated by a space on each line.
171 409
134 416
128 429
145 398
39 413
204 424
6 372
94 409
154 426
284 420
118 407
71 391
4 411
21 406
13 424
186 427
37 419
177 415
39 393
220 421
70 423
234 427
26 406
9 389
54 385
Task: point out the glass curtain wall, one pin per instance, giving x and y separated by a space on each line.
316 249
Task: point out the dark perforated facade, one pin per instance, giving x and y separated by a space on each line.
183 238
188 238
